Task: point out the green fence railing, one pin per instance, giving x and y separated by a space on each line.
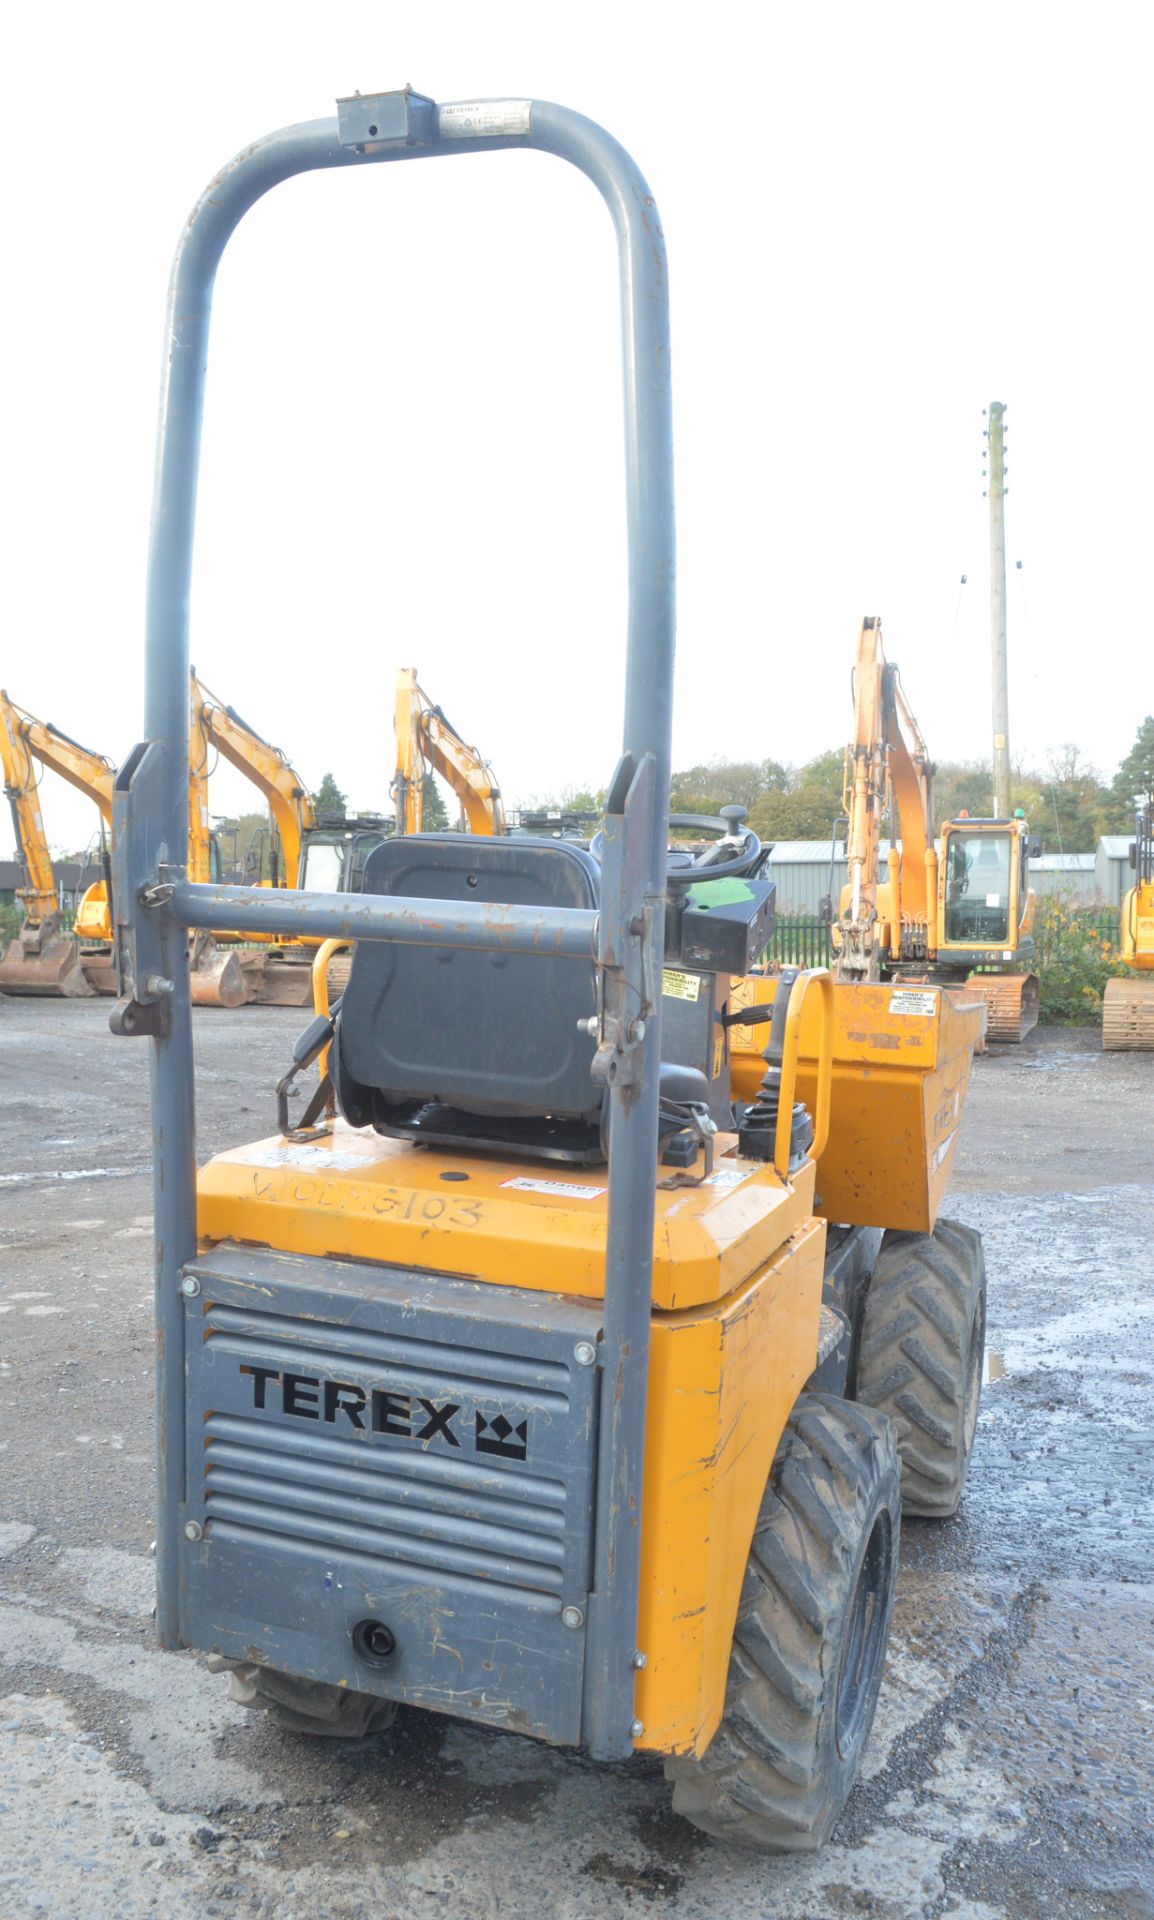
800 940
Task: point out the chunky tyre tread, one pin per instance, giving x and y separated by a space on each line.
766 1780
306 1706
925 1314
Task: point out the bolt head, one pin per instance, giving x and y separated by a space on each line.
194 1530
640 1660
637 1729
585 1353
190 1286
572 1617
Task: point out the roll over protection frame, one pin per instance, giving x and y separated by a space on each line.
156 904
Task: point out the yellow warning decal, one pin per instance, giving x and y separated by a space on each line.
680 986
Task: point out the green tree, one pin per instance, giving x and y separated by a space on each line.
1073 802
1133 784
961 786
434 812
806 807
724 783
330 802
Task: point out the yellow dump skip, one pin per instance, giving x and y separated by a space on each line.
901 1067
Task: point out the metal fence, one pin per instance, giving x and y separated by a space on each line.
1060 926
802 939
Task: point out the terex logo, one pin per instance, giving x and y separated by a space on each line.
404 1416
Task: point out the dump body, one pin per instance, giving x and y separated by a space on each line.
901 1068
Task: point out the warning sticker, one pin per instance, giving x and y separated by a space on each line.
680 986
484 119
728 1177
907 1000
567 1189
316 1159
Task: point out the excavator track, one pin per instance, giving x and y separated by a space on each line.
1128 1016
1011 1001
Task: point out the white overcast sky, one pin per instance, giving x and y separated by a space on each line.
878 218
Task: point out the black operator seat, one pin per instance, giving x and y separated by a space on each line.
468 1046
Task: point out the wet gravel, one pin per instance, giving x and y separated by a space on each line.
1012 1766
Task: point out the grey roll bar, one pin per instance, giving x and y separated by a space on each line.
155 903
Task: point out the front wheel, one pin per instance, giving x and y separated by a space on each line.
810 1641
923 1341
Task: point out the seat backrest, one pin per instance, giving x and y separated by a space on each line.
486 1032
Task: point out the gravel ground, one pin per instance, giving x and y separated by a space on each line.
1011 1771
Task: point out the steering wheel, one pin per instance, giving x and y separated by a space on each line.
685 868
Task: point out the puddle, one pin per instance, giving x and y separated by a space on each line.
73 1173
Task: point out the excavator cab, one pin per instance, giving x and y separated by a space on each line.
986 905
333 856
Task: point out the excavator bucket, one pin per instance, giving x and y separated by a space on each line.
289 983
218 979
55 969
1128 1016
1011 1002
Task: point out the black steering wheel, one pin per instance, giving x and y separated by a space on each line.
711 863
685 868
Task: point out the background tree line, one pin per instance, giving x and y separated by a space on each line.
1067 801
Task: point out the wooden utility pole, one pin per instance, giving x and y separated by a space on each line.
1001 696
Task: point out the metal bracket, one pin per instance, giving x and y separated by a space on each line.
626 960
368 121
141 882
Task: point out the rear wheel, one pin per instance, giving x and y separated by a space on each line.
923 1338
305 1706
810 1641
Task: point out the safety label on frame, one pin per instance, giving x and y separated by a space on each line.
568 1189
680 986
906 1000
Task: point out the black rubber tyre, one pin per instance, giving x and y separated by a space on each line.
305 1706
922 1343
810 1641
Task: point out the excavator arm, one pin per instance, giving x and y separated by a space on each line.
289 800
426 738
38 895
43 960
888 771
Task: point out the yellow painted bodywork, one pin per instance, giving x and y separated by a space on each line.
737 1277
366 1198
1138 927
899 1084
721 1385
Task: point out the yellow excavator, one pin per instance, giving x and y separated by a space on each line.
44 959
962 916
427 739
1128 1005
303 852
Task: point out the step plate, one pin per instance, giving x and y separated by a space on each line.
370 1444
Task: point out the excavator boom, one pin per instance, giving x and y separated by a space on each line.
44 960
288 799
888 772
427 738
